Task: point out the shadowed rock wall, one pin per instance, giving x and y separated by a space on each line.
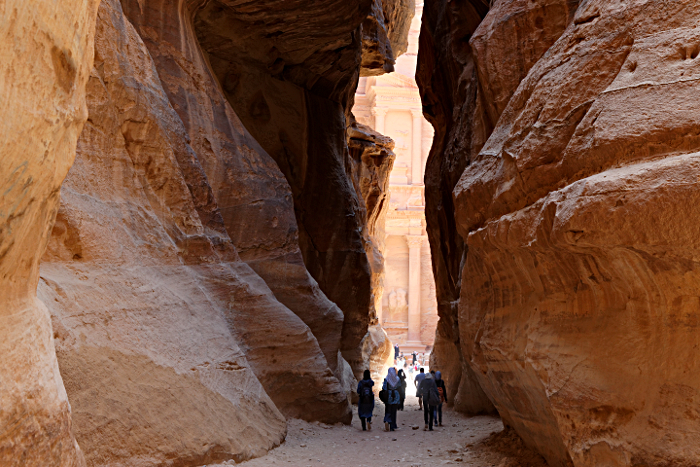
253 195
448 82
576 313
292 83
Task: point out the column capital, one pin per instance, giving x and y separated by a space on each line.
379 111
417 113
415 241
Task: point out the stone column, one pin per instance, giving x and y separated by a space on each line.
379 117
417 148
427 143
414 300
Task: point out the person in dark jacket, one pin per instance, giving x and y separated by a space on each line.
431 399
402 389
442 390
366 405
391 385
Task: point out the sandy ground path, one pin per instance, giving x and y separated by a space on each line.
470 441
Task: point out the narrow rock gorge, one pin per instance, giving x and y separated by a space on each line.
560 194
192 224
199 281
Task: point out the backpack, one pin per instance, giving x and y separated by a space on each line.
433 396
366 395
384 395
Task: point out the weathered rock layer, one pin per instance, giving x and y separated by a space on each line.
292 82
190 311
577 305
47 55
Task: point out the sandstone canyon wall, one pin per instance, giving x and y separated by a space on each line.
290 70
185 318
577 309
46 59
447 79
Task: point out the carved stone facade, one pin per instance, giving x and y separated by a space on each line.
391 105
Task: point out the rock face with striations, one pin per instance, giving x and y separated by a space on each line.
448 82
188 287
47 55
578 309
289 70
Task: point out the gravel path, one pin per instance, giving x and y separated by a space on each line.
470 441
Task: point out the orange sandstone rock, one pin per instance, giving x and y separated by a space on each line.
577 312
47 52
173 348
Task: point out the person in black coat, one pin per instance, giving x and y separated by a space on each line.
431 399
366 405
402 388
442 389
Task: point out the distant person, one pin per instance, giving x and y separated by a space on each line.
431 399
391 386
442 391
366 405
416 382
414 357
396 352
402 389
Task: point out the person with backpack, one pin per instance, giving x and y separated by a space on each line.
442 390
431 399
416 382
391 399
365 406
402 389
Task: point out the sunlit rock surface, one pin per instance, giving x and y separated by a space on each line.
253 195
141 221
378 350
191 292
578 295
47 53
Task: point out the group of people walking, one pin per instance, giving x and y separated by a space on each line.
430 390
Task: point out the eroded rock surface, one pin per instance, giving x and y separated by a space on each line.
577 309
150 364
385 35
189 274
254 197
47 55
378 350
448 82
371 160
289 70
140 221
